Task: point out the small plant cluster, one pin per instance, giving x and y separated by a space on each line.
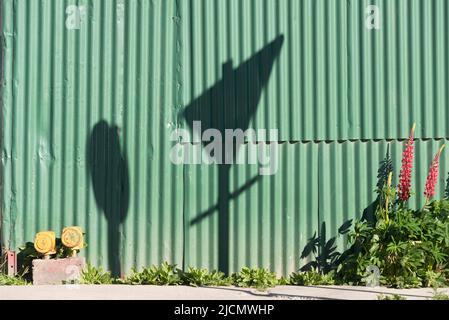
254 278
93 275
6 280
201 277
410 247
167 274
312 278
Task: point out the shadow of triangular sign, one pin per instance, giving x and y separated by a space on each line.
230 104
232 101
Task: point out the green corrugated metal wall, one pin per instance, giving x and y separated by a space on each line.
87 117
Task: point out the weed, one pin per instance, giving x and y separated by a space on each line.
6 280
282 281
311 278
92 275
256 278
166 274
201 277
218 278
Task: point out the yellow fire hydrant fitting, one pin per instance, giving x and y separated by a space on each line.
45 242
72 237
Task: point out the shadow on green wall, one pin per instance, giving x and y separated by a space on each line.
230 104
108 169
322 251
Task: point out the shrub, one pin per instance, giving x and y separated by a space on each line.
410 250
311 278
92 275
283 281
218 278
410 247
166 274
256 278
201 277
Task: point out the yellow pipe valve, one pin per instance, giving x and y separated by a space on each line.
45 242
73 238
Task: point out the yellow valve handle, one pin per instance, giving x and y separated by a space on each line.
72 237
45 242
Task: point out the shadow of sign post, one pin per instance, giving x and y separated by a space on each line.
231 104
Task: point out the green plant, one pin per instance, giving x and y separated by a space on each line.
92 275
410 250
6 280
282 281
409 247
434 279
166 274
195 277
311 278
256 277
201 277
391 297
218 278
27 253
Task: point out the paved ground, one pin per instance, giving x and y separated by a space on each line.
116 292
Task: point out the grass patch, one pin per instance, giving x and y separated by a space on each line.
6 280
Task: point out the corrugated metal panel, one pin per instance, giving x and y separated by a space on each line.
272 218
269 220
85 134
88 113
334 79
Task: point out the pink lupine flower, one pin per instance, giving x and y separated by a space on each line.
432 177
406 168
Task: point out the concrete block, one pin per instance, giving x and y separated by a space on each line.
57 271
